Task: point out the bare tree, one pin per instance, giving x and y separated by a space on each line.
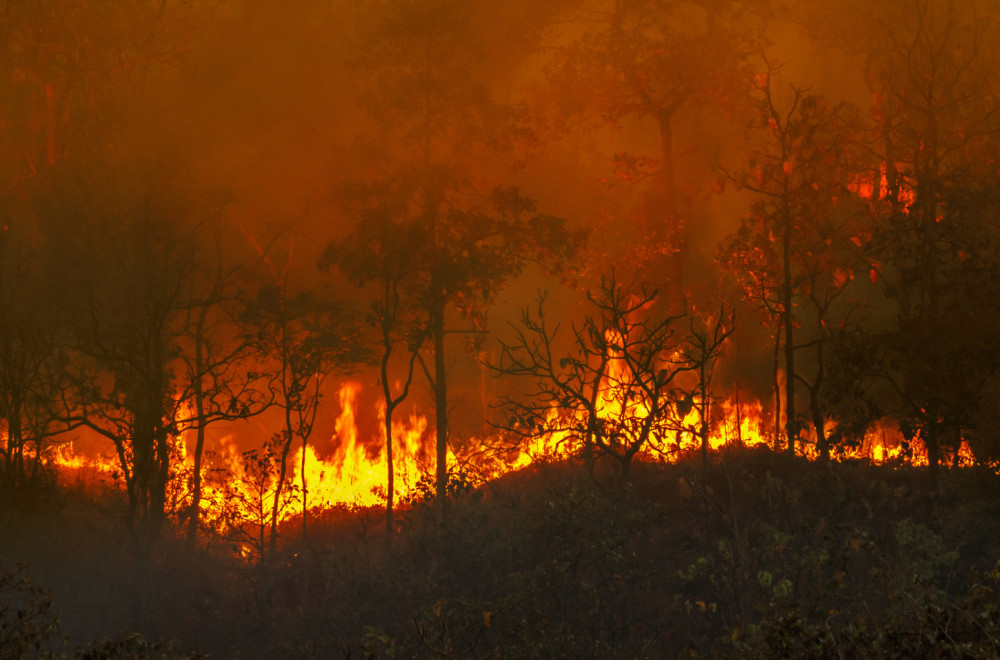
615 392
701 350
220 380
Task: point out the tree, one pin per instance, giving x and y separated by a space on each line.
32 380
795 255
638 59
702 348
218 382
378 252
940 353
615 393
424 69
304 336
246 505
936 104
125 249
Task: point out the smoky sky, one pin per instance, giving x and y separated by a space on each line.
261 107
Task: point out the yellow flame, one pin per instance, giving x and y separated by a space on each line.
351 470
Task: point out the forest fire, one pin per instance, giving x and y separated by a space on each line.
349 470
594 328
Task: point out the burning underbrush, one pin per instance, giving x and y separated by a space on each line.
347 473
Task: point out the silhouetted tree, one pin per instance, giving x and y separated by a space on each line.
797 251
638 59
379 251
700 351
614 392
221 381
936 100
124 244
302 336
424 70
32 378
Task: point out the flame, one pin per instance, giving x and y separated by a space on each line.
875 186
355 475
349 470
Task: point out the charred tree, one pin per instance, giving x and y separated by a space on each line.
702 348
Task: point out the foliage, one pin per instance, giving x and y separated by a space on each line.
757 556
796 253
27 617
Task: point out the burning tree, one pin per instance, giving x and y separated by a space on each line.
797 252
469 239
303 336
623 387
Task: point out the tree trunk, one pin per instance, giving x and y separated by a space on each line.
199 447
791 429
199 444
280 482
390 478
302 473
933 444
704 438
777 388
671 226
822 445
158 496
440 406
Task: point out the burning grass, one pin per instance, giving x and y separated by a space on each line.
348 471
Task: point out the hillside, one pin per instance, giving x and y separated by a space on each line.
765 557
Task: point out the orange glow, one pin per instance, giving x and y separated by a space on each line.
865 184
349 470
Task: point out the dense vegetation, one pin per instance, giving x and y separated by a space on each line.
764 556
602 227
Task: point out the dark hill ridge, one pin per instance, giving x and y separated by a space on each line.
763 556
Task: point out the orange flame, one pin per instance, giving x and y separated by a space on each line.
350 470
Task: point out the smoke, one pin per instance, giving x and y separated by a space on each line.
265 108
